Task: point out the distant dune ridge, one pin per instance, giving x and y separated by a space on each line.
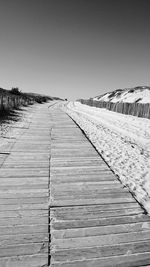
139 94
132 101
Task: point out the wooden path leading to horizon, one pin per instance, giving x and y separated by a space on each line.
61 205
24 191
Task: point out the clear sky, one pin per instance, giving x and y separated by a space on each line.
74 48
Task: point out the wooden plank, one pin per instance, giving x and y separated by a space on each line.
99 222
36 260
29 200
99 194
26 160
24 165
23 193
85 212
88 186
31 146
24 233
23 182
80 169
24 249
24 220
15 172
90 201
100 230
103 176
98 208
26 186
101 252
68 153
76 162
99 241
23 213
14 156
19 234
128 260
74 189
24 206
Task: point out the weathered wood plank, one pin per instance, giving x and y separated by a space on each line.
94 212
88 186
15 172
76 162
83 189
39 232
24 220
23 193
36 260
128 260
24 249
103 176
99 222
23 165
80 169
24 206
100 230
68 153
113 194
23 213
97 241
23 182
98 208
100 252
28 155
25 200
89 201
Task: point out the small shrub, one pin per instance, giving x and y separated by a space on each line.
15 91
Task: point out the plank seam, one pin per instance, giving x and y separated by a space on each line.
49 211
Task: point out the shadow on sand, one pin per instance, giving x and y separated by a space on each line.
9 116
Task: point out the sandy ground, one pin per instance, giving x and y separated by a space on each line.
11 124
124 143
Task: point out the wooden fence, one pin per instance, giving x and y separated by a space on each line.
135 109
8 102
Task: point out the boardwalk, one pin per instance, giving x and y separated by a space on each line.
94 221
